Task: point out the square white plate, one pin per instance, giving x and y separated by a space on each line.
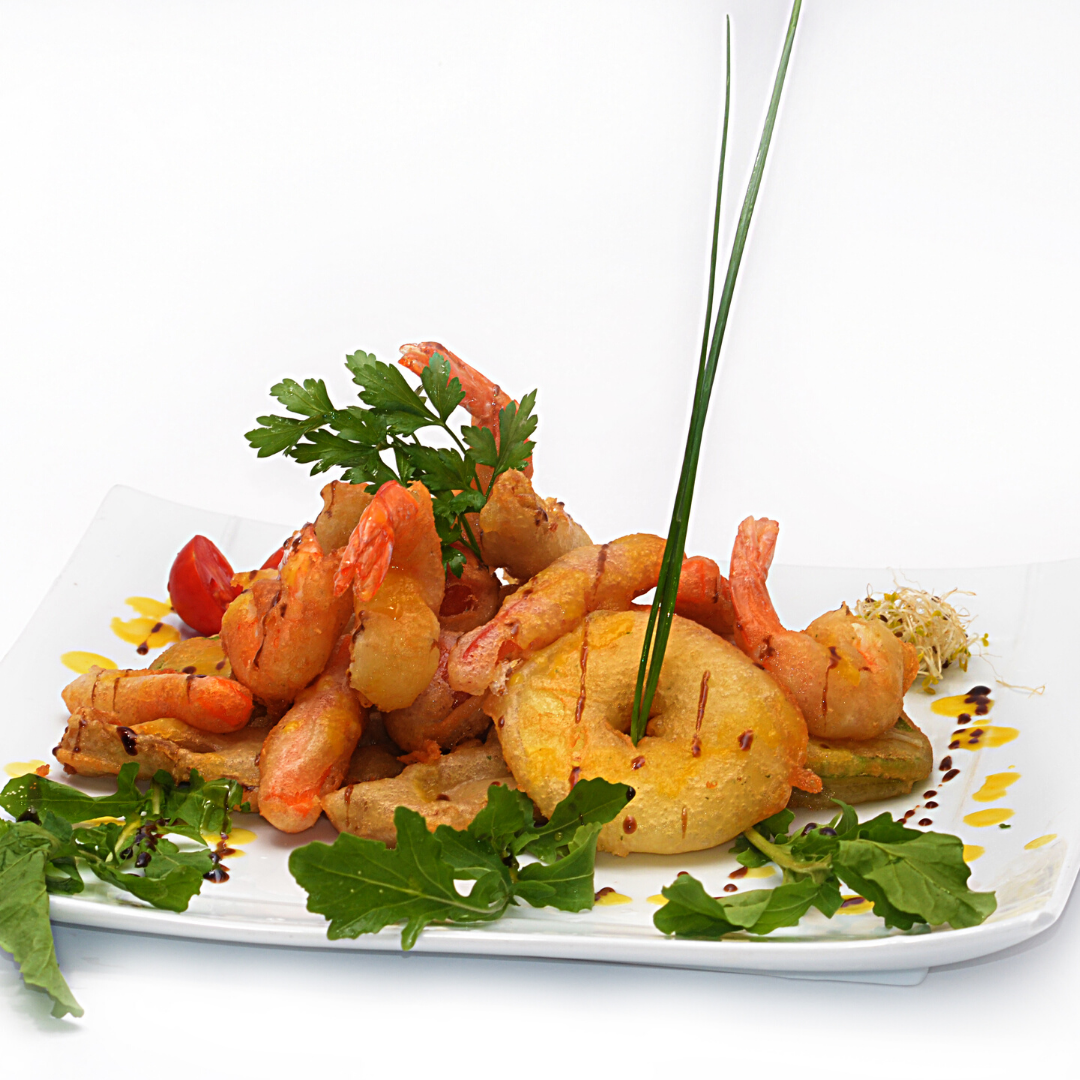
129 547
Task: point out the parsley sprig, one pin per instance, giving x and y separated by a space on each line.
909 876
120 838
361 885
379 443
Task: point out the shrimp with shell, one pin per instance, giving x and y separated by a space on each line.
280 631
393 562
848 675
596 577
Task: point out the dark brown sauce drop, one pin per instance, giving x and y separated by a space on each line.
746 739
607 890
629 825
928 794
949 775
127 737
946 763
731 888
851 901
575 775
931 805
637 763
741 872
925 821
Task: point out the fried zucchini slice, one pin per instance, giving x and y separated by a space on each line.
858 771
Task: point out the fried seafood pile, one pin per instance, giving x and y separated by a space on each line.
360 675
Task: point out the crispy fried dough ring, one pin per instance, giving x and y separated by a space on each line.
723 747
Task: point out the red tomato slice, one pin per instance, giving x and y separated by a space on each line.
200 585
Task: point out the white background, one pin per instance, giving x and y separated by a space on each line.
197 199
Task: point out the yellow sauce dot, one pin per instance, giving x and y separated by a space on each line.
611 898
856 909
760 871
102 821
1039 841
994 816
237 836
147 605
995 786
659 898
21 768
82 662
145 631
957 706
973 852
975 737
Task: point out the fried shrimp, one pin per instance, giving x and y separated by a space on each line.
394 563
483 400
206 702
343 503
279 632
723 748
848 675
598 577
439 718
307 753
522 532
472 599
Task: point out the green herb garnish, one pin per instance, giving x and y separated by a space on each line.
379 443
909 876
663 607
58 832
360 885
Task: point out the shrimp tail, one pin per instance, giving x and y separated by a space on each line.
756 619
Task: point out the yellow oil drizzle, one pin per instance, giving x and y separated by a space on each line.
995 786
82 662
957 706
974 738
21 768
1039 841
145 631
89 822
856 909
994 816
659 899
237 836
760 871
612 898
973 852
147 605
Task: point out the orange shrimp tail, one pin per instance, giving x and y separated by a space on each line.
705 596
371 546
805 780
755 617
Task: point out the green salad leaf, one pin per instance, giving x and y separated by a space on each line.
121 838
361 885
910 876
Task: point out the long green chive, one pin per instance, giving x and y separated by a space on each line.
667 587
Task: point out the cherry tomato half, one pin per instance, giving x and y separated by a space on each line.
275 560
200 585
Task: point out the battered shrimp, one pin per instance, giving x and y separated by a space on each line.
597 577
343 504
206 702
394 562
279 632
307 753
722 750
439 718
848 675
522 532
470 600
483 400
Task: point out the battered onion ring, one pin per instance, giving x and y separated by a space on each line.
722 749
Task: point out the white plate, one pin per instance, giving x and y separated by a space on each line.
127 552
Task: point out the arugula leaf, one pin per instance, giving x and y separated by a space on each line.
910 876
25 931
378 444
360 885
33 794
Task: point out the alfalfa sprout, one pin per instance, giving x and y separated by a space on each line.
939 631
